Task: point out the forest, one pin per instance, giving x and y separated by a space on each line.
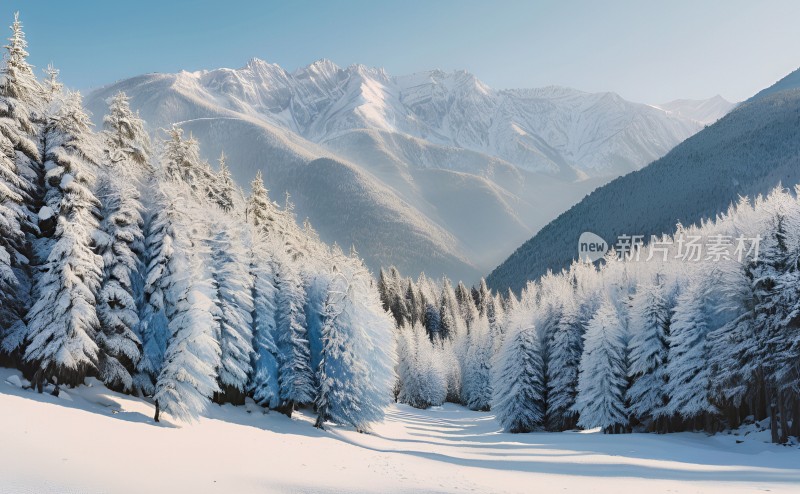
141 264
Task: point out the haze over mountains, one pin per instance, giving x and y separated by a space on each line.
431 172
748 152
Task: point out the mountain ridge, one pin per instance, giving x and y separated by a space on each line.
745 153
471 169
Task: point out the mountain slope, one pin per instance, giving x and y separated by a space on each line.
704 112
433 171
747 152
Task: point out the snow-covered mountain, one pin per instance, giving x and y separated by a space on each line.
706 111
434 171
748 152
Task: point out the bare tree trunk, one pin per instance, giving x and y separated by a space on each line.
158 411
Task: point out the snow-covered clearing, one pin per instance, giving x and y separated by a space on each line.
93 440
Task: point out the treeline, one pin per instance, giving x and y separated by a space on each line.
153 272
690 339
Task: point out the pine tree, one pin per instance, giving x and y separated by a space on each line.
648 351
225 185
181 161
126 139
295 376
264 381
120 244
63 320
601 386
422 374
478 369
356 369
153 328
261 211
565 352
232 284
466 304
20 102
188 377
518 382
687 365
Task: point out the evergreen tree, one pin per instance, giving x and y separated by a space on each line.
225 185
565 352
264 382
126 139
648 351
478 369
20 102
601 386
423 381
295 376
356 369
687 365
188 377
518 382
153 328
120 244
63 320
232 284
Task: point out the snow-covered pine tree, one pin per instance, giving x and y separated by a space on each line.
687 360
261 211
63 321
295 375
466 304
518 381
478 369
563 366
264 380
126 139
181 161
233 287
225 185
188 376
601 385
421 370
356 369
432 322
648 350
120 244
153 327
20 103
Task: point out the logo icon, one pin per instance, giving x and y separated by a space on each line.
591 247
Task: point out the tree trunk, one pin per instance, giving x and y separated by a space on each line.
784 437
158 411
286 408
773 417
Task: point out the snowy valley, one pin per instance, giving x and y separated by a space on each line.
434 172
170 321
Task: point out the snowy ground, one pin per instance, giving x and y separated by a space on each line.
93 440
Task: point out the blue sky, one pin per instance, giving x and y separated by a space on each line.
646 51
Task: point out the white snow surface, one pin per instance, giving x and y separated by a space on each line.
101 441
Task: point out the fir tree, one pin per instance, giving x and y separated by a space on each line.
120 244
295 376
63 320
648 351
518 382
601 386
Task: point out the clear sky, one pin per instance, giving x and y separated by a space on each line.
646 51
